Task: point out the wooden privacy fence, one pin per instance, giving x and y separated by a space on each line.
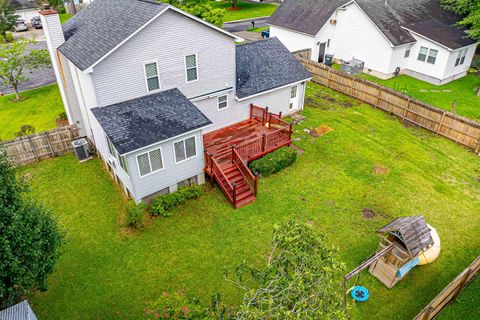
459 129
38 146
451 292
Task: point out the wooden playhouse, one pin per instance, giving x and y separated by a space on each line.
403 244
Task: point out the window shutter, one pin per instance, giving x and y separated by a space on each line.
156 159
144 164
190 147
179 151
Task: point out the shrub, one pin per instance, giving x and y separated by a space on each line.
136 215
25 130
62 116
274 162
163 203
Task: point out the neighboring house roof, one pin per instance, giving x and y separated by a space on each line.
104 25
23 4
413 232
143 121
265 65
390 17
20 311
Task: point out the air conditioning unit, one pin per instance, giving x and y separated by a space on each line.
80 148
352 67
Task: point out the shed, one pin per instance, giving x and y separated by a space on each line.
20 311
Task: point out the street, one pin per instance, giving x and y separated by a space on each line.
244 25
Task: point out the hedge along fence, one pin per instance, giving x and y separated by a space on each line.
35 147
459 129
451 292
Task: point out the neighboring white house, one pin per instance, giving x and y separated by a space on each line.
20 311
147 89
414 37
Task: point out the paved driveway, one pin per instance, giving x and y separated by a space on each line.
244 25
37 78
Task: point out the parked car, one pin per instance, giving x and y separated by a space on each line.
36 22
20 26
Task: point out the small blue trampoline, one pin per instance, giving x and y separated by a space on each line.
359 293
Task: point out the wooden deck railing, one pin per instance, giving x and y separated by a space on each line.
228 188
250 178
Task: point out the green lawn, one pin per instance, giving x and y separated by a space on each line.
257 29
107 272
64 17
247 10
462 91
40 107
466 305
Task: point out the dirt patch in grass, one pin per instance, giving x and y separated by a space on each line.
298 149
320 131
368 213
380 170
234 8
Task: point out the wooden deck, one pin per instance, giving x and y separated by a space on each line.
227 151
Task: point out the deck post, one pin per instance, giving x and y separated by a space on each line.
233 154
251 110
280 114
265 116
256 183
234 196
264 142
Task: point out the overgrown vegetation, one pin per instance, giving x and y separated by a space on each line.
329 186
30 238
8 17
274 162
136 214
163 204
200 8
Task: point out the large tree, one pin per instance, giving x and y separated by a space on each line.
30 238
470 9
302 278
7 18
201 9
18 58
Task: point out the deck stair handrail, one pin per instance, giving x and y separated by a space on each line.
225 184
250 178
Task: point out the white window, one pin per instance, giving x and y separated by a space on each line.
111 148
459 57
293 92
185 149
222 102
432 56
151 76
464 54
150 162
123 163
191 67
407 53
422 54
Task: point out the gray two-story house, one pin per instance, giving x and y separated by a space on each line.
165 96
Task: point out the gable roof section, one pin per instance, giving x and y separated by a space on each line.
414 233
104 25
265 65
138 123
391 17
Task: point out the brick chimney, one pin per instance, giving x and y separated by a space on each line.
54 38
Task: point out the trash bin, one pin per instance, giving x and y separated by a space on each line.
266 34
329 59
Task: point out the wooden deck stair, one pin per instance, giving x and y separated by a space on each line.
228 150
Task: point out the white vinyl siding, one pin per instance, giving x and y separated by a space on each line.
222 102
151 76
185 149
191 67
150 162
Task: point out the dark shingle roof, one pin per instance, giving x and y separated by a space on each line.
101 26
308 16
414 233
266 65
140 122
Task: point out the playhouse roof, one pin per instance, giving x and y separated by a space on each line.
413 231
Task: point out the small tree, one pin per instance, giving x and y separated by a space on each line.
7 18
201 9
18 58
30 239
302 279
233 3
